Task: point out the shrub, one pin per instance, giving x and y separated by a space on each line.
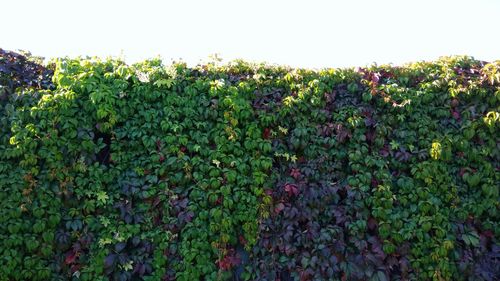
249 171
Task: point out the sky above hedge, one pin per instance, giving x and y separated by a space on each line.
297 33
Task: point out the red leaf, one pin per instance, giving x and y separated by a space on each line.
266 133
295 173
291 189
488 233
462 172
219 200
242 239
372 223
229 261
279 208
158 145
70 257
75 268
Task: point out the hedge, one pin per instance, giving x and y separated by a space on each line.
246 171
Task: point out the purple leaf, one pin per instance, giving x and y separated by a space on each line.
120 246
109 261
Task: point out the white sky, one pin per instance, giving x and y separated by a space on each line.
309 33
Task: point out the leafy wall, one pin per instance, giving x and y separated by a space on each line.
111 171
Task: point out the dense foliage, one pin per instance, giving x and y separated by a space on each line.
248 172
